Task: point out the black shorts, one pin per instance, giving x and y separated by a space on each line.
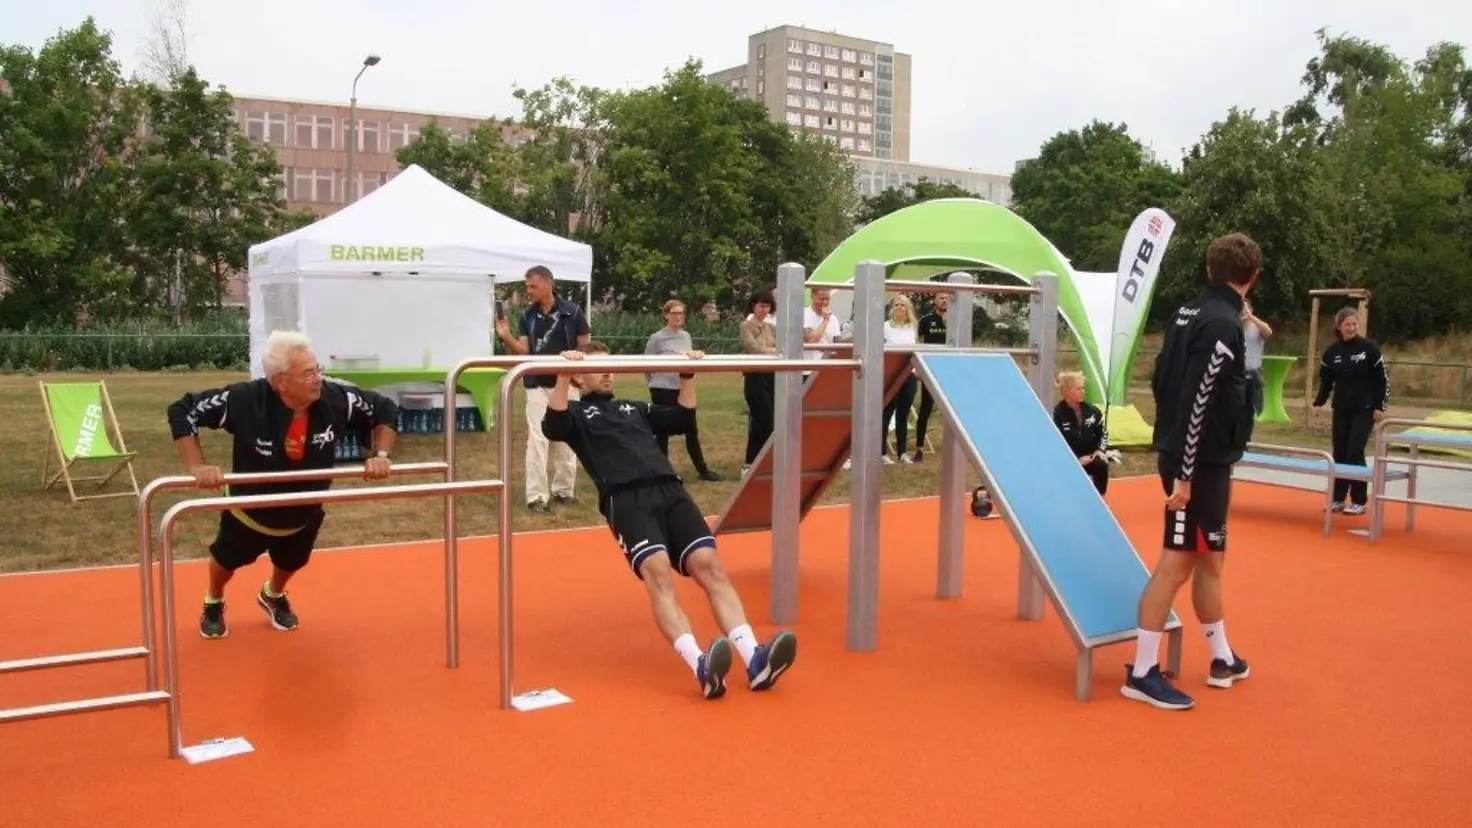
1202 525
660 518
237 544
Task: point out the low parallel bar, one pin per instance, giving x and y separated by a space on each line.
46 711
1381 449
184 481
72 659
558 365
179 510
910 286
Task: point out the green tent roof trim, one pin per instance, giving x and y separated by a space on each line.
949 234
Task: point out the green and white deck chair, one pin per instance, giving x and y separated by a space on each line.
78 414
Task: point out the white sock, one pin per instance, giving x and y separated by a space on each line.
745 641
1216 636
689 650
1147 649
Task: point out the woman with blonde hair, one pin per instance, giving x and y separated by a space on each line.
1082 425
899 329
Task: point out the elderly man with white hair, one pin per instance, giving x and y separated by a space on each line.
290 419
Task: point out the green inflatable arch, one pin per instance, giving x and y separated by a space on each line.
950 234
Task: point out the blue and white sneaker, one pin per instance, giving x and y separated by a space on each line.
772 660
1154 689
712 667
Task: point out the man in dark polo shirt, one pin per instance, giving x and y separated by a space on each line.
550 326
932 332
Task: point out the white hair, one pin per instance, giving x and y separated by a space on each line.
279 347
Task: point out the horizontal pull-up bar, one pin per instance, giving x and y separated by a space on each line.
184 481
609 365
933 287
218 504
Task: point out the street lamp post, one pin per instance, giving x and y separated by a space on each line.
352 190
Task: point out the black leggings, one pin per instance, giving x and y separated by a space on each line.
760 391
922 419
671 396
1351 433
899 410
1099 472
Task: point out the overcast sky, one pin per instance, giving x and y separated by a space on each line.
992 80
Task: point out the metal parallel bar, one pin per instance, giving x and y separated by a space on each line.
1042 324
44 711
912 286
1382 442
184 481
176 512
1331 468
22 665
611 365
950 568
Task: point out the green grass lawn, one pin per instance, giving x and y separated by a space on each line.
42 529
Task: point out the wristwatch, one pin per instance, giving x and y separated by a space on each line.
381 453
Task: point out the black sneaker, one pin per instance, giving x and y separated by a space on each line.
212 620
539 507
1154 689
1224 674
711 477
279 608
564 500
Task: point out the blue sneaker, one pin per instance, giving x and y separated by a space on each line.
712 667
772 660
1154 689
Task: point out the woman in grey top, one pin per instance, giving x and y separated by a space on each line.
664 389
1255 332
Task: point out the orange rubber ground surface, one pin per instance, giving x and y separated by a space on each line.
1357 712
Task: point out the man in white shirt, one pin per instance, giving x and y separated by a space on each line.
819 324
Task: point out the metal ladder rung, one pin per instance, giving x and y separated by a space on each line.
72 659
41 711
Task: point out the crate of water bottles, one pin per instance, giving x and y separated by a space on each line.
425 414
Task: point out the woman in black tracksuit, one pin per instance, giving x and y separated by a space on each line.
1082 426
1354 371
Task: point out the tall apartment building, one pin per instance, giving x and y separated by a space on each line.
854 92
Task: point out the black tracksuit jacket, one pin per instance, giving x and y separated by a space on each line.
614 440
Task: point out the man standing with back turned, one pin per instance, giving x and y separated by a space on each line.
659 527
1203 418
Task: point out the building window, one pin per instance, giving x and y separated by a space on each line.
814 85
830 52
866 58
401 135
814 103
794 64
314 131
848 90
849 56
313 185
794 46
793 118
761 51
866 110
761 87
367 136
830 87
846 125
266 128
830 70
865 145
830 123
848 73
866 75
830 105
848 108
794 100
794 82
811 120
846 143
865 128
370 181
814 67
815 49
866 94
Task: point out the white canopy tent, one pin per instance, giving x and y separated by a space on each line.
404 276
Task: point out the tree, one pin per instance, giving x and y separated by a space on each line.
1086 187
165 50
482 166
67 120
557 164
893 199
202 194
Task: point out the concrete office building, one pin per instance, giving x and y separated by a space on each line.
852 91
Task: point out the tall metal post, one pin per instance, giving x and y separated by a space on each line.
951 563
1042 337
787 447
864 492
